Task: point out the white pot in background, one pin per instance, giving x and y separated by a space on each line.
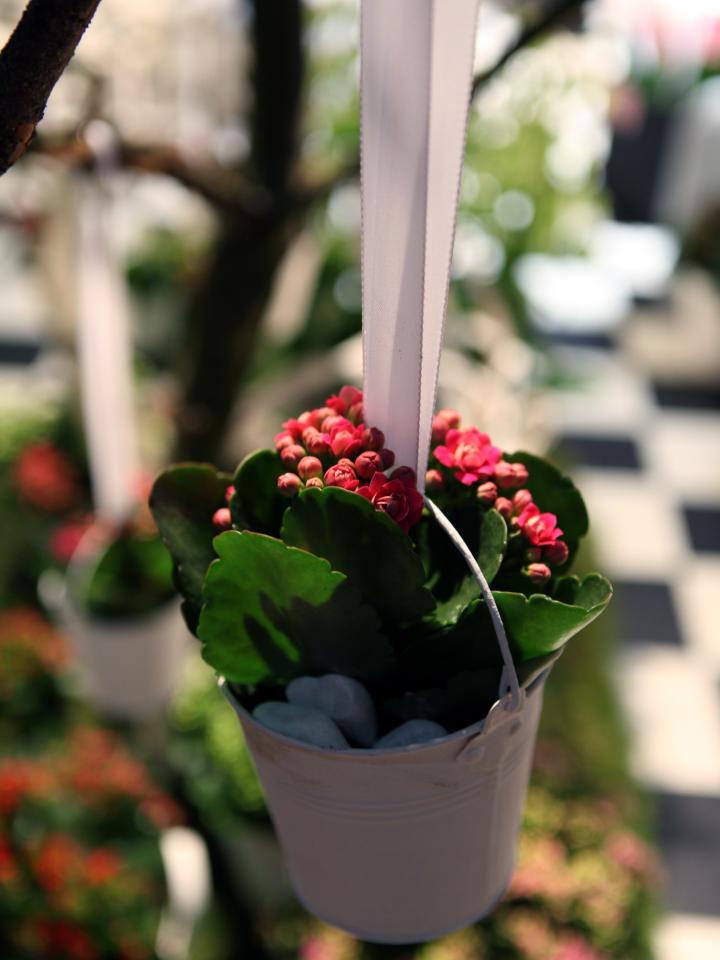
404 845
128 668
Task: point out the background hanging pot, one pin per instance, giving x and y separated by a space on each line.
404 845
123 622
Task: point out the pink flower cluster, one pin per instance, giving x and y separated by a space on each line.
332 447
470 457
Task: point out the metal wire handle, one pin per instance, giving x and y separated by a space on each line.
509 678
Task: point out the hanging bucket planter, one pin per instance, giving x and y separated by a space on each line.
403 845
344 609
129 664
129 669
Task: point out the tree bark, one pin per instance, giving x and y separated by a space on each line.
227 310
39 49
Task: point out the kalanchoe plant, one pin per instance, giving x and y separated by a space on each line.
319 557
126 571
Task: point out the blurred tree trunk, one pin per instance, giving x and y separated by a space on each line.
227 309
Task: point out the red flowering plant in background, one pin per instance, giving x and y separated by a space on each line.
33 662
319 556
80 873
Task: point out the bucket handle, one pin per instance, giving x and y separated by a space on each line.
509 678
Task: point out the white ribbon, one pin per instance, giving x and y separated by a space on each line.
105 358
416 74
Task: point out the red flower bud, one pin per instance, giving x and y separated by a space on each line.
487 494
292 454
405 474
373 439
337 404
521 500
289 484
315 483
334 422
222 519
368 464
388 458
316 443
451 418
355 413
229 493
504 507
342 474
283 439
538 573
350 396
434 481
510 475
557 553
345 443
310 467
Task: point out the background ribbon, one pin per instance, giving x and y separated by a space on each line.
416 74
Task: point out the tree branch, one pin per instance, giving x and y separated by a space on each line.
544 23
39 49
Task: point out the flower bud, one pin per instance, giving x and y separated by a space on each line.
373 439
342 474
557 553
487 494
355 413
310 467
368 464
406 474
292 454
451 418
229 493
315 442
510 475
344 443
222 519
538 573
521 500
504 507
289 484
434 481
315 483
283 439
335 422
387 457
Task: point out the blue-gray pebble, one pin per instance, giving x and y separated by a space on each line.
411 733
344 700
301 723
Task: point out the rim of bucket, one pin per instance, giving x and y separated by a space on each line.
370 753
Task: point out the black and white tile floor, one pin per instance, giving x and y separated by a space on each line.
647 457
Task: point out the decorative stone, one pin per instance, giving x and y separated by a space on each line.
411 733
301 723
344 700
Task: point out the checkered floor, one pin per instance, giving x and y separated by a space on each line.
645 440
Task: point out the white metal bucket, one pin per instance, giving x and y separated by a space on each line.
401 845
129 668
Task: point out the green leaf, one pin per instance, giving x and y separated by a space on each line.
273 613
536 627
366 545
257 504
183 500
554 492
489 554
539 625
